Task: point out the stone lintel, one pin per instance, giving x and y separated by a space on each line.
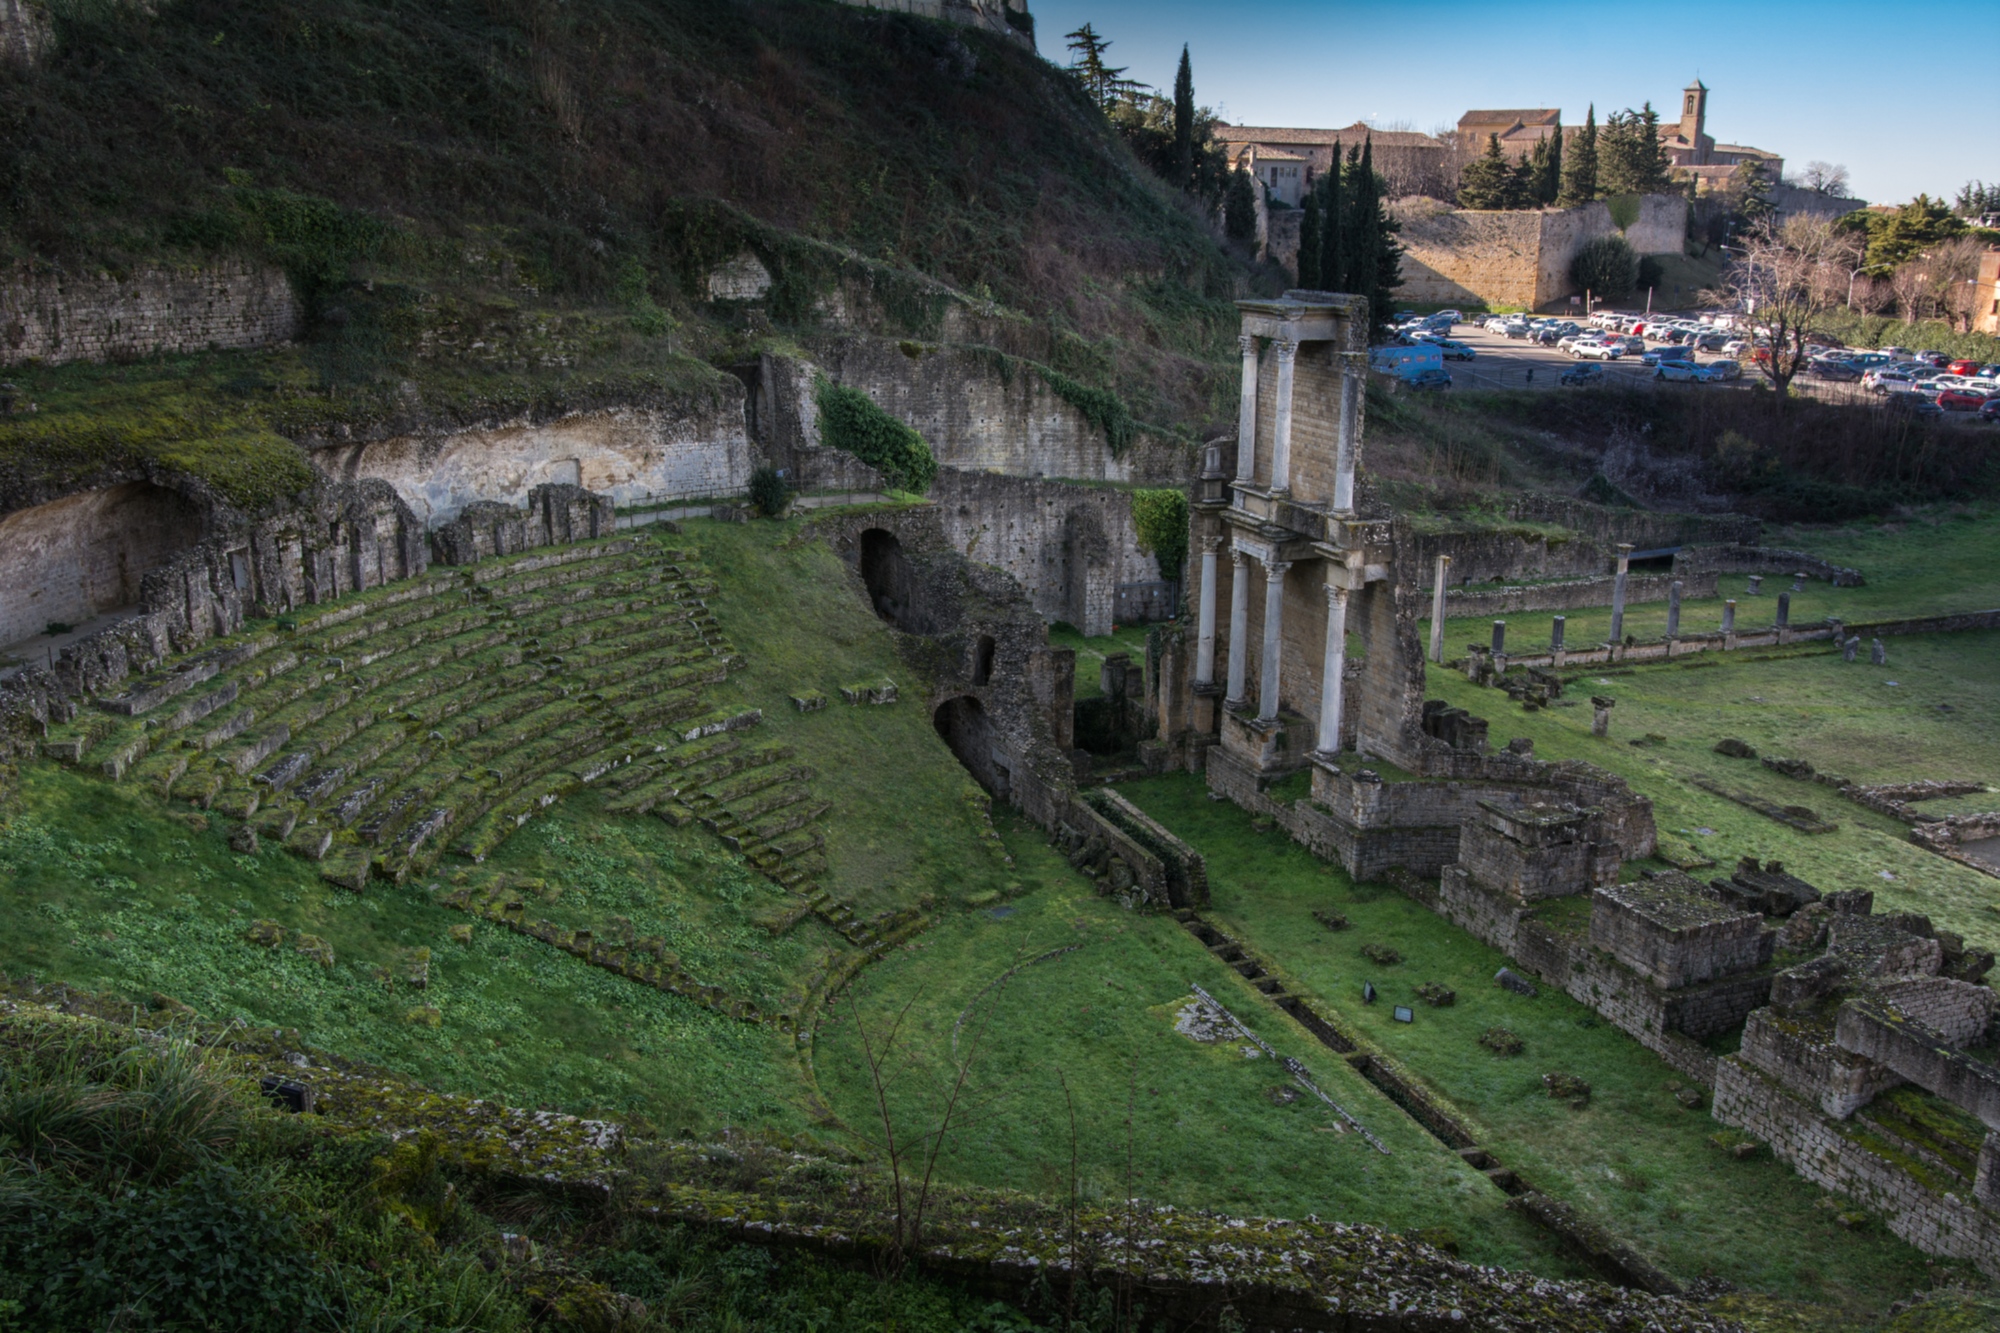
1875 1031
1538 825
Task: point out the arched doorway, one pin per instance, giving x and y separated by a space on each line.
886 572
965 726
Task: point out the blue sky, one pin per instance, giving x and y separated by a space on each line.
1906 106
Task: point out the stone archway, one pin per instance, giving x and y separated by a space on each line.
965 726
885 570
83 555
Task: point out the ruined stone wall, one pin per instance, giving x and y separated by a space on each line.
1068 546
1833 1156
24 32
1571 594
55 317
68 560
698 451
982 412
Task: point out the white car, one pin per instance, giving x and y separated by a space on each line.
1596 351
1735 348
1682 372
1886 381
1568 342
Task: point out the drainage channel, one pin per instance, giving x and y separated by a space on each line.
1612 1259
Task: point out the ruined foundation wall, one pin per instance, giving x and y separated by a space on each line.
70 559
55 318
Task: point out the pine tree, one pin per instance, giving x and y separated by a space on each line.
1309 245
1184 123
1579 177
1103 81
1334 225
1487 182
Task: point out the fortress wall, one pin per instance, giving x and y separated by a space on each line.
56 318
1521 258
631 455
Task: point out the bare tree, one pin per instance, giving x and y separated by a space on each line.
1823 178
1787 277
1952 271
1909 281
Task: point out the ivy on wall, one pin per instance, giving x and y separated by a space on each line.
849 420
1161 521
1103 409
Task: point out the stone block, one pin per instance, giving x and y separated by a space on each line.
1672 933
809 701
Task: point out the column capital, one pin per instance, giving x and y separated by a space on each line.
1238 556
1336 595
1276 568
1210 545
1286 348
1247 343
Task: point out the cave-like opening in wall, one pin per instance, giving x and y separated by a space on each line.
67 561
885 571
982 660
967 729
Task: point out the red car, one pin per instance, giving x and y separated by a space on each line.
1962 368
1961 400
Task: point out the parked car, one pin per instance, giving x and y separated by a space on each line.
1990 372
1961 400
1583 375
1598 350
1724 370
1676 352
1630 344
1836 371
1886 381
1989 413
1915 404
1431 378
1962 366
1897 353
1735 347
1938 359
1455 350
1681 372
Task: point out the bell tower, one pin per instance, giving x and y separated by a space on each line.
1694 117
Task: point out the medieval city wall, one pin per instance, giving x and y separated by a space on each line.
54 317
1517 258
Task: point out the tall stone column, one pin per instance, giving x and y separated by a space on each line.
1437 609
1246 411
1333 673
1350 426
1239 630
1274 639
1674 610
1281 426
1204 653
1618 592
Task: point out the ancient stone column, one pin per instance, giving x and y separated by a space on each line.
1246 412
1239 629
1281 427
1437 609
1849 648
1618 592
1499 637
1878 653
1556 634
1274 639
1756 585
1729 616
1204 653
1600 718
1674 609
1784 610
1333 672
1344 460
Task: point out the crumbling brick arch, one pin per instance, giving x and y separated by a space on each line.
965 726
71 559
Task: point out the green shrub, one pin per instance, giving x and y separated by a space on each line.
769 492
850 421
1651 273
1605 267
1161 521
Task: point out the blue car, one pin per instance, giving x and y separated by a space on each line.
1430 378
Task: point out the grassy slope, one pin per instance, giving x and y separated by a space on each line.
1634 1158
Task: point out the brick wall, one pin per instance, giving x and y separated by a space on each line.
58 318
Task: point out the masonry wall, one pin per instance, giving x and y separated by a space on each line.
1830 1155
54 317
980 413
72 558
631 455
24 32
1517 258
1068 546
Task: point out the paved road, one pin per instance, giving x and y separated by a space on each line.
1506 363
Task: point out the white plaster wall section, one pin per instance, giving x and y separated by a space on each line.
72 558
634 456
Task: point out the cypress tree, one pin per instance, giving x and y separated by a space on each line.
1335 225
1309 243
1184 123
1552 184
1374 256
1579 179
